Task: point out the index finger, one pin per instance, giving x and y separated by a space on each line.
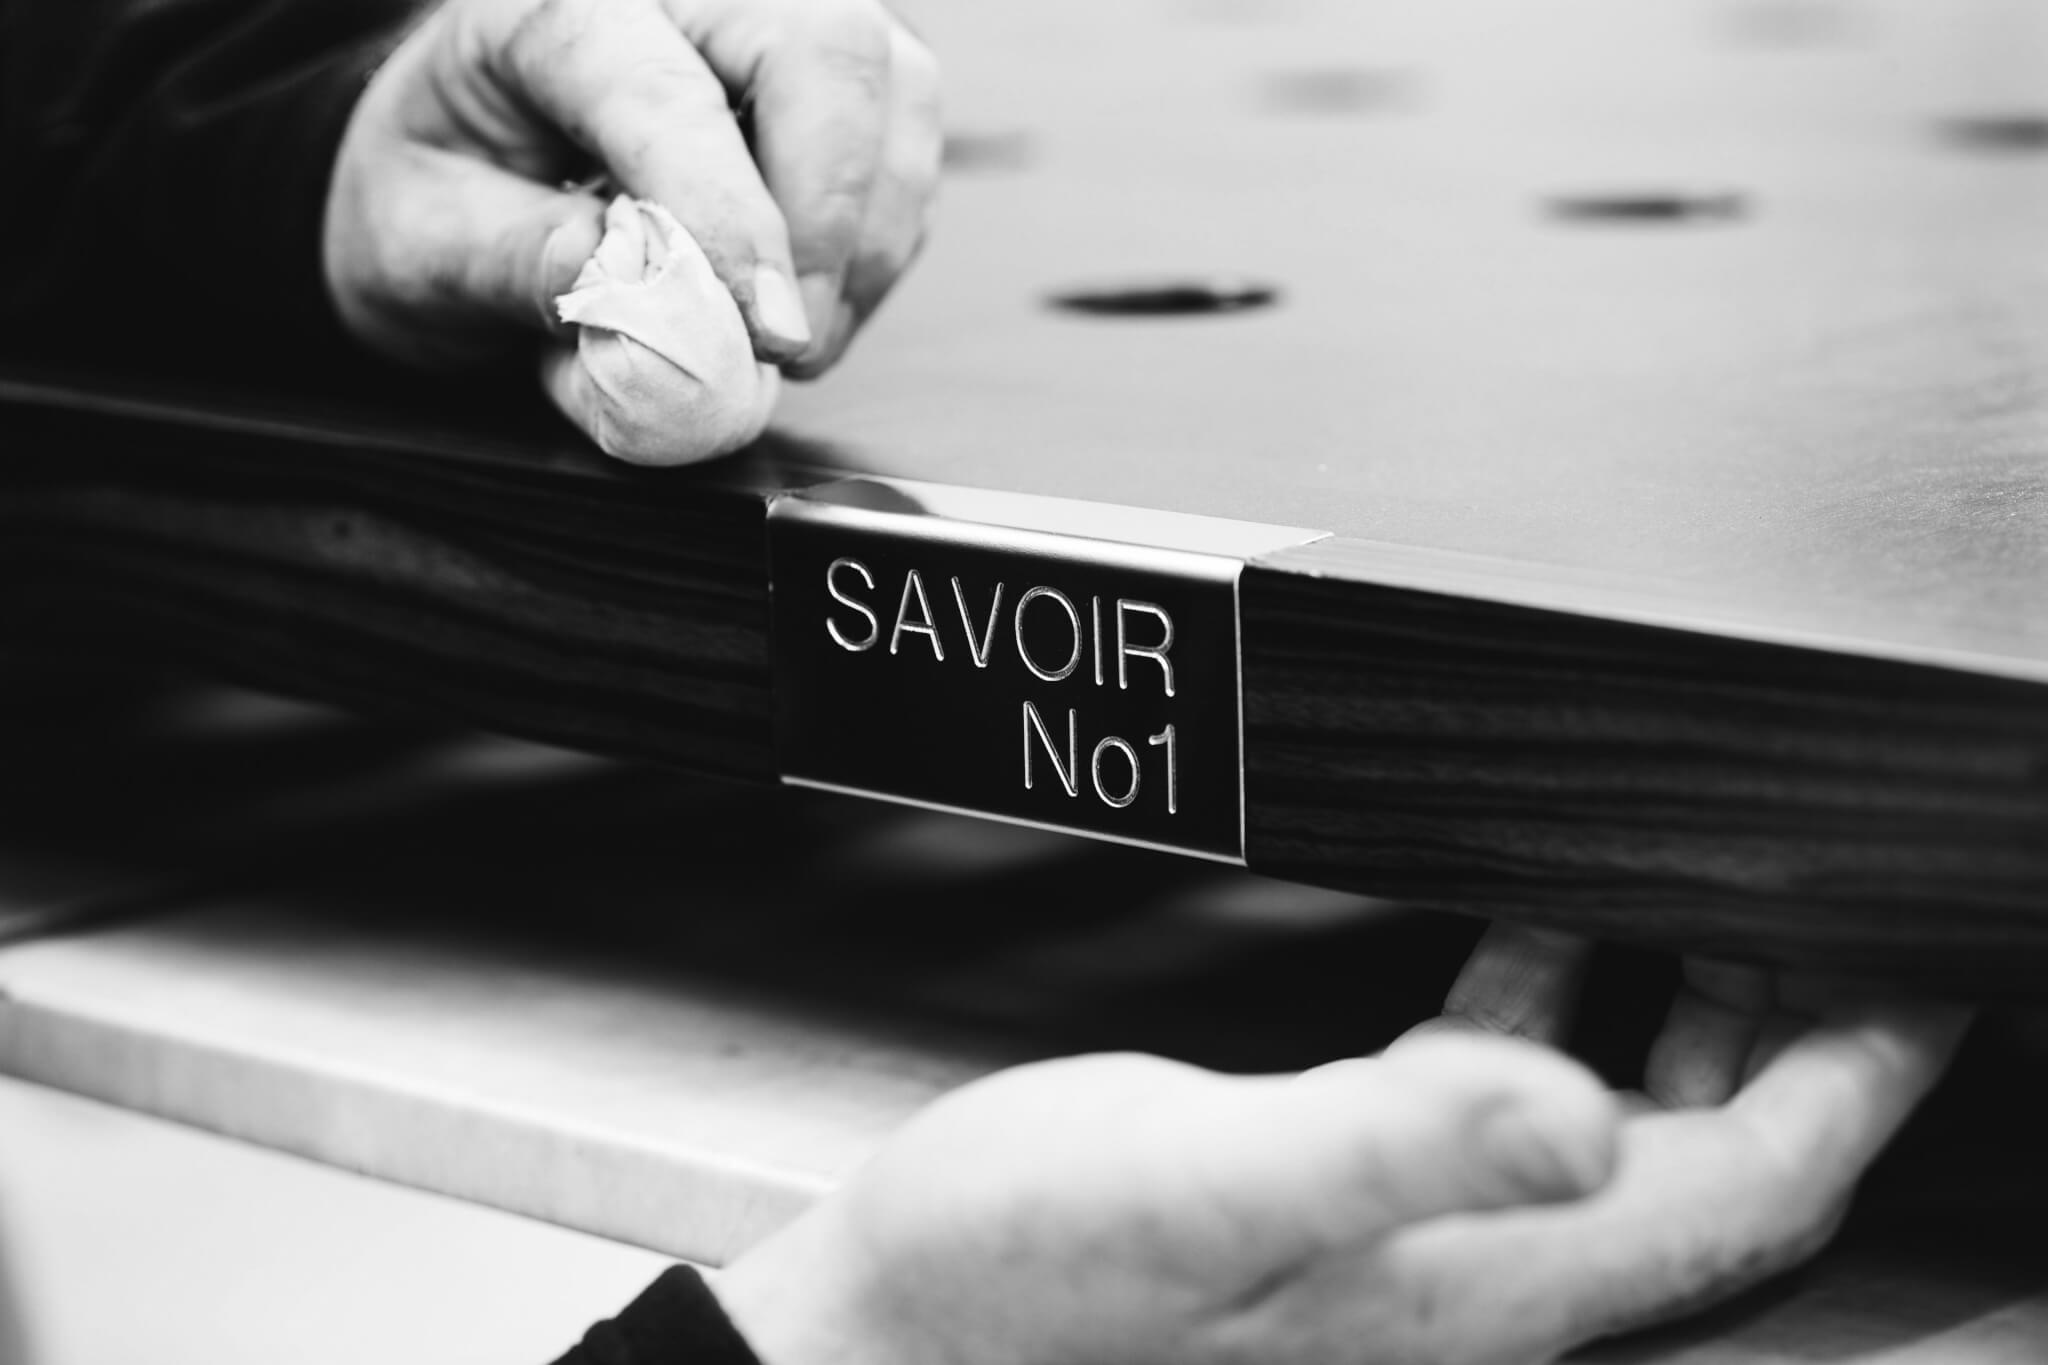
619 80
1834 1097
819 107
899 208
1706 1202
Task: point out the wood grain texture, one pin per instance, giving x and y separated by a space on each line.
1750 652
1504 739
1753 799
503 579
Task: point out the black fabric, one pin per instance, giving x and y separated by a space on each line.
163 172
676 1321
166 165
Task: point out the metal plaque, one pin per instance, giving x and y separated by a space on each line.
1068 665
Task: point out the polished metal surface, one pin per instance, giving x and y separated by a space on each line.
1061 664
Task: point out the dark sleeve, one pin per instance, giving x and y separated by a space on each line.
676 1321
166 165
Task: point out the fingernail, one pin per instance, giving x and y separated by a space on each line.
562 258
831 337
778 308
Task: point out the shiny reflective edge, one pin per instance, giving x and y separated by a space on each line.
1077 831
1039 544
1104 523
1174 543
1237 652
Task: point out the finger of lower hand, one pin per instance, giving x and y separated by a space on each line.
1700 1055
1691 1216
1520 981
1349 1152
899 203
1834 1094
619 79
1705 1202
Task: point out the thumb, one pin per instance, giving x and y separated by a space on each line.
473 244
534 242
429 263
1447 1124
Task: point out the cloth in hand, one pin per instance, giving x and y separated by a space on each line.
662 371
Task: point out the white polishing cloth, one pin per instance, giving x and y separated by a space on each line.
662 371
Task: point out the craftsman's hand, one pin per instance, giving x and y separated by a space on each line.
1128 1209
1768 1095
448 227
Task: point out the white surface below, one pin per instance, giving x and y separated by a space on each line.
126 1239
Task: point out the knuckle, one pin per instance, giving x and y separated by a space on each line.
853 41
664 88
830 227
864 21
862 70
541 35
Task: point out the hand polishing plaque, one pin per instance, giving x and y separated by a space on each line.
1065 664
